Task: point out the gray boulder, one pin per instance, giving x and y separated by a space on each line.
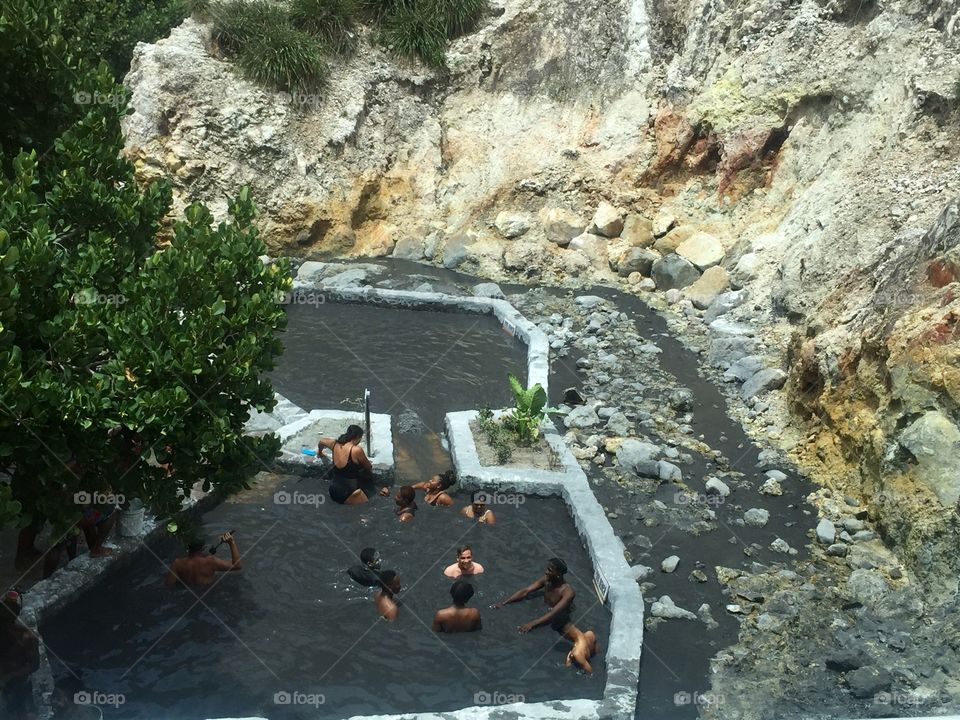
561 226
583 416
670 563
673 272
726 350
633 454
867 681
665 608
488 290
607 221
743 369
409 248
934 441
635 259
512 224
724 303
455 251
826 532
756 517
761 382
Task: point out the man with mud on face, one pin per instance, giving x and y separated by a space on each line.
557 594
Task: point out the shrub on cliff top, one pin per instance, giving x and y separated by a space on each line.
267 47
334 21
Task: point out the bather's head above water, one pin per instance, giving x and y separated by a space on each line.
353 434
556 569
196 545
390 581
405 496
461 591
370 557
443 481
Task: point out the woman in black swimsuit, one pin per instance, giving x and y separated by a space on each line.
435 489
351 478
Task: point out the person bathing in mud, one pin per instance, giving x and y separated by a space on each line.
478 510
200 567
387 606
557 594
435 489
464 564
406 500
351 480
584 643
366 572
458 617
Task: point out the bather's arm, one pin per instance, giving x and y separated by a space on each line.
563 604
522 593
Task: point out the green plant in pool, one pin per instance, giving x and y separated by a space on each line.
529 410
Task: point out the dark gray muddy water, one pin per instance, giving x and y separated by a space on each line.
418 366
293 626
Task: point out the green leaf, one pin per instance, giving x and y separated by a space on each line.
219 307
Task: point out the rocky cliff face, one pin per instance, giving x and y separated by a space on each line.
780 176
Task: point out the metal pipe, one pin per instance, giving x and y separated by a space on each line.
366 418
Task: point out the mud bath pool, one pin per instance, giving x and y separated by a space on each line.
293 622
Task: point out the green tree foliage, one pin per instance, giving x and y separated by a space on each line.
60 58
114 356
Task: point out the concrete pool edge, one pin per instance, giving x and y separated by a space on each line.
606 552
511 320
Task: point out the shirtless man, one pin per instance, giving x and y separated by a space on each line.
477 509
19 658
199 567
464 564
458 617
384 599
584 643
557 594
